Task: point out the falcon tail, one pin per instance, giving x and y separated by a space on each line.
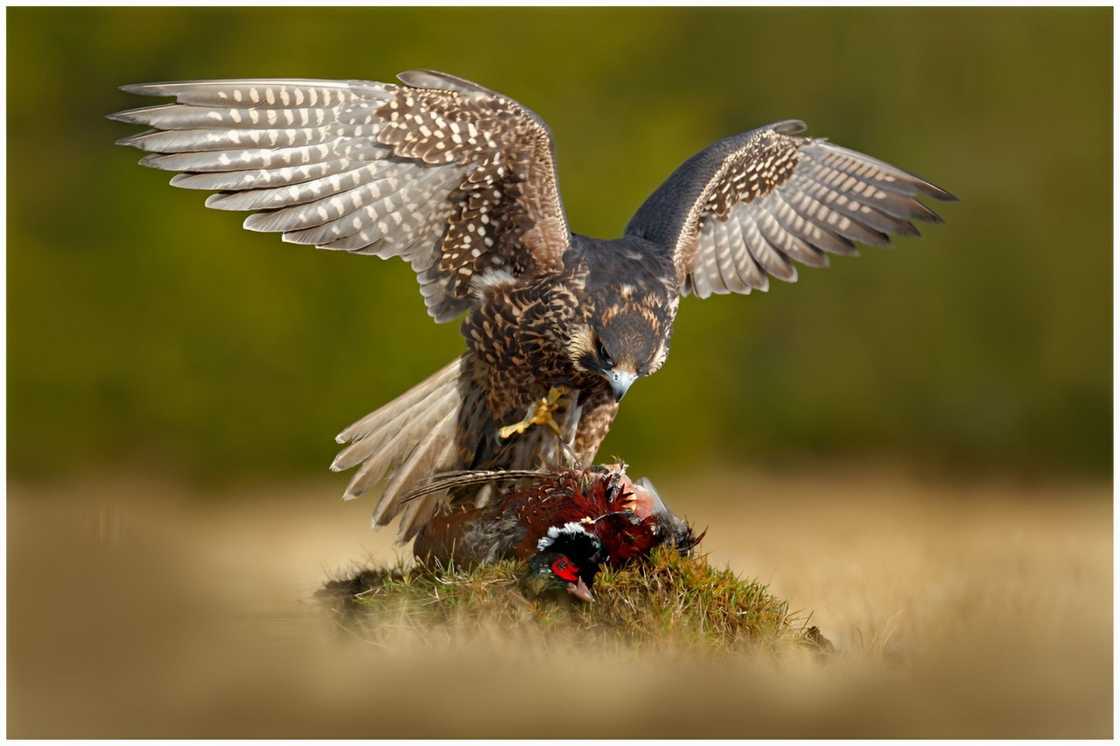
403 443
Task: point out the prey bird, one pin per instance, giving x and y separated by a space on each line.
460 182
565 524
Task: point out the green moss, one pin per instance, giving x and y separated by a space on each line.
669 599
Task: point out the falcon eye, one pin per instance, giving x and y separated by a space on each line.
563 568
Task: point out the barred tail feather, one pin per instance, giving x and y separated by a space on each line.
403 443
446 481
369 423
422 460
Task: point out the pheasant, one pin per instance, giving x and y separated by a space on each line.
566 524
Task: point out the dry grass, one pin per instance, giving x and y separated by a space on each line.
669 600
983 610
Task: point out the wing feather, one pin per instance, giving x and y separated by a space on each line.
747 267
262 178
183 117
729 277
770 198
258 92
788 243
451 176
299 193
833 222
769 258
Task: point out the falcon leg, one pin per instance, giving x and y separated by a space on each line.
539 413
594 424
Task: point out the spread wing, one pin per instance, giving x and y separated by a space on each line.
455 179
751 206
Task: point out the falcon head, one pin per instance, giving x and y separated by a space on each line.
624 342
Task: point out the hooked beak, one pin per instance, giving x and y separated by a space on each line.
620 381
580 590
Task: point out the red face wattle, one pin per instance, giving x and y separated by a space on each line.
565 569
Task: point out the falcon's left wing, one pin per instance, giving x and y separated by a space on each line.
454 178
746 208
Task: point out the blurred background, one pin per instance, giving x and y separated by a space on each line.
157 334
167 370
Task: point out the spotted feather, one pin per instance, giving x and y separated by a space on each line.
456 179
754 205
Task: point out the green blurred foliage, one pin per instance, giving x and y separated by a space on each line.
146 330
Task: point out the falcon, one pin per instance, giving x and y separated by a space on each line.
460 182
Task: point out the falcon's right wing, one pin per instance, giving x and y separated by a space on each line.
748 207
454 178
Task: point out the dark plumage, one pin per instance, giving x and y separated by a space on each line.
584 517
459 181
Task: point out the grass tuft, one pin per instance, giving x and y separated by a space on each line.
671 599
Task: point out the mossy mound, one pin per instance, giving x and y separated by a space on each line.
668 599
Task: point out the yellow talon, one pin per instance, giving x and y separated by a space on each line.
539 414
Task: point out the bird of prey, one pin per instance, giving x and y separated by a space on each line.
460 182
